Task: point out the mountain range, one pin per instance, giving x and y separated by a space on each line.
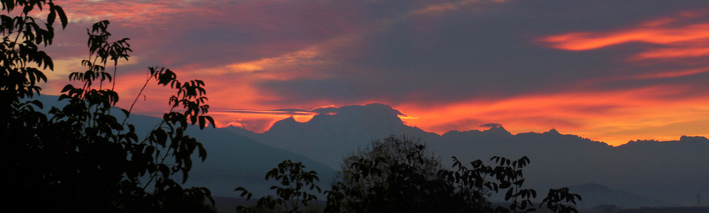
641 172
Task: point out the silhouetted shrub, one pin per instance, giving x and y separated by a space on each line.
293 192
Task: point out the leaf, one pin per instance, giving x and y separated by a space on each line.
185 175
508 195
160 136
201 122
62 16
164 170
202 151
519 182
52 14
505 184
211 121
125 112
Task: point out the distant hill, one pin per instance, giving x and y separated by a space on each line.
595 195
234 160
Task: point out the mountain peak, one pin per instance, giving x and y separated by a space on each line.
498 131
693 139
553 132
285 124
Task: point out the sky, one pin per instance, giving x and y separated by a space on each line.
607 70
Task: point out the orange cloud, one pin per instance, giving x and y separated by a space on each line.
672 74
267 66
685 35
687 52
127 12
588 41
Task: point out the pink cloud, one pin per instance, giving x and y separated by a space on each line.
684 35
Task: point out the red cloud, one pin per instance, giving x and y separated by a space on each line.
655 35
684 35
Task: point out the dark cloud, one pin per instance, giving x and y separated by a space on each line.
361 110
477 50
271 112
470 54
491 125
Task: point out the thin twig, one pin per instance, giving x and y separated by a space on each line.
136 99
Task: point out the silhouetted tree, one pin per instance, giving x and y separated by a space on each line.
396 175
296 183
80 157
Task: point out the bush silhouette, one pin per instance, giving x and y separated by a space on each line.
293 193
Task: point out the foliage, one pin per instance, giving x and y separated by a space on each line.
397 174
558 200
507 175
292 193
80 158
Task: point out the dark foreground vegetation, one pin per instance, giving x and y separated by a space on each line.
81 157
85 156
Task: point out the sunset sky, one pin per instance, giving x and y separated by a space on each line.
610 71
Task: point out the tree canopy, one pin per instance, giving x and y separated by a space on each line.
399 174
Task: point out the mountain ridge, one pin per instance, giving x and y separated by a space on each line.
660 170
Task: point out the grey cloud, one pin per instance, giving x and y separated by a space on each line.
493 53
491 125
